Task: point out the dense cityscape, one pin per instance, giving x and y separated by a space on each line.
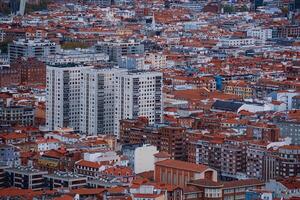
150 99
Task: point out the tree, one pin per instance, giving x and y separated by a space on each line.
228 9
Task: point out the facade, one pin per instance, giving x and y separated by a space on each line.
25 178
288 164
142 96
100 97
17 115
66 180
296 102
260 33
133 62
32 71
175 172
236 42
31 48
239 88
103 3
289 128
116 50
9 156
170 139
110 95
9 77
141 157
63 96
79 56
218 190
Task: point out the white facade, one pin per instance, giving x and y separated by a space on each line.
77 56
112 94
236 42
94 100
63 96
144 158
100 113
286 97
142 96
47 144
260 33
110 156
156 60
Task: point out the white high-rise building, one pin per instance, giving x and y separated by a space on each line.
112 94
63 96
141 96
94 100
100 93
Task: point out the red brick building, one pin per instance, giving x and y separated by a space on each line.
31 70
9 76
170 139
179 173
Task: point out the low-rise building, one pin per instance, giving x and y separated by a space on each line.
68 180
25 177
179 173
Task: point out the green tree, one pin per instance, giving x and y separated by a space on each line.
228 9
74 45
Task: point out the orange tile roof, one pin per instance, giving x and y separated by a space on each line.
182 165
86 163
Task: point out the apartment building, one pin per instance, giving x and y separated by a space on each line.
111 94
170 139
68 180
32 48
93 100
63 82
25 177
101 93
288 163
116 50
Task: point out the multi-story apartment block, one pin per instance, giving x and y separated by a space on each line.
103 3
110 94
87 56
63 96
100 97
25 178
260 33
67 180
9 156
239 88
116 50
32 48
288 163
16 115
141 96
93 100
167 138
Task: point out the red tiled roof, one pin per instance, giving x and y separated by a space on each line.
182 165
86 163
